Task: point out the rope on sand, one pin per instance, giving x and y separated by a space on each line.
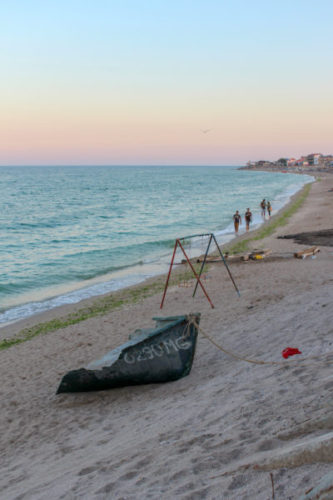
256 361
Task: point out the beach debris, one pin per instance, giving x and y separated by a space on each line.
237 257
323 237
290 351
209 258
256 254
260 254
272 482
323 491
302 254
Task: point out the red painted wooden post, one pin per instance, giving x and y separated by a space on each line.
167 281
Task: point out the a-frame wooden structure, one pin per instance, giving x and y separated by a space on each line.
198 276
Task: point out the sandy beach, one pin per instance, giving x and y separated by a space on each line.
229 430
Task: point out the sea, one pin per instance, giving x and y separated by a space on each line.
73 232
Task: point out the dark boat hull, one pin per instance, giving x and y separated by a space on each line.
158 355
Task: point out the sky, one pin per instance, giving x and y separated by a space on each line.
164 82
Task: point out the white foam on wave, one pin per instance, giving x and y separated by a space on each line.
111 283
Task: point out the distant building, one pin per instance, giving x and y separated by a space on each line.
309 162
291 162
313 159
326 161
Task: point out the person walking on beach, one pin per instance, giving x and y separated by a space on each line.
237 220
269 208
263 208
248 218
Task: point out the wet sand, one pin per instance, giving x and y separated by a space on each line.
230 430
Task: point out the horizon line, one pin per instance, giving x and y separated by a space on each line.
116 165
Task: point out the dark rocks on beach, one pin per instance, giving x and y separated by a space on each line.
323 237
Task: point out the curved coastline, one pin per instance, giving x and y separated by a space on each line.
70 314
75 293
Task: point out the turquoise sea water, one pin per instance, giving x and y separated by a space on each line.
68 233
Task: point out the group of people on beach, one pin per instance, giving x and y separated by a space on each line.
264 205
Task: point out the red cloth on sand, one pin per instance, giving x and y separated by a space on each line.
290 351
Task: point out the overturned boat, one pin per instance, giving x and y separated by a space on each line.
161 354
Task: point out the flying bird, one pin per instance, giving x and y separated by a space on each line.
205 131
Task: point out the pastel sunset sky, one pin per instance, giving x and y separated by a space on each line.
174 82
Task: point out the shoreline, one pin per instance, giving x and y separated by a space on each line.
12 328
292 170
229 427
68 312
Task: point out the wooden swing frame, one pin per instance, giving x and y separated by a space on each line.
198 276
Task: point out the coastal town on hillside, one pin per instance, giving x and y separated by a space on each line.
309 163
